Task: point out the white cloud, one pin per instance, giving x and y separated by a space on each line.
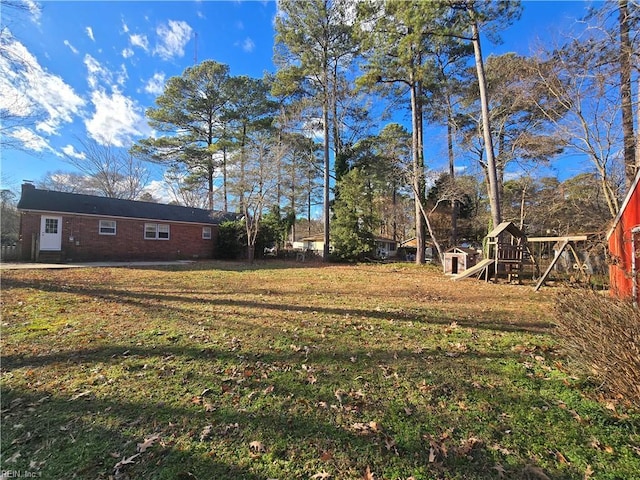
34 10
125 27
98 74
172 39
95 71
155 85
127 53
122 75
240 25
158 190
31 93
138 40
248 45
70 151
90 33
116 120
71 47
31 140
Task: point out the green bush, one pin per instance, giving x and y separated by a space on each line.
232 241
603 334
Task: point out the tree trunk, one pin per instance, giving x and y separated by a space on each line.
455 206
418 173
494 194
224 179
325 118
626 52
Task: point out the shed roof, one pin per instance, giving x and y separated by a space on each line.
35 199
466 250
626 201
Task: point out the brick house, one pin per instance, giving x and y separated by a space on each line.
60 226
624 247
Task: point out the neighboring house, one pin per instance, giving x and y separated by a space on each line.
59 226
384 247
314 243
624 247
409 248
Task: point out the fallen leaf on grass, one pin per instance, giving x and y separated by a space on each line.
268 390
588 472
13 458
257 447
125 461
561 458
148 442
22 439
206 433
366 428
368 475
432 455
80 395
34 465
326 456
468 444
321 475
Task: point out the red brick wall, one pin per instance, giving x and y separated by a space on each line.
81 240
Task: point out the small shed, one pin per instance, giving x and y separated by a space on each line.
459 259
624 247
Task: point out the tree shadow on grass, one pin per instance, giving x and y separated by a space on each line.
85 436
177 301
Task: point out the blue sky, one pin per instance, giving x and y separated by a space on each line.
95 67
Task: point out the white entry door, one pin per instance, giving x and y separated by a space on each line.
51 233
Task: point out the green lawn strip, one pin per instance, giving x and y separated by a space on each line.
230 371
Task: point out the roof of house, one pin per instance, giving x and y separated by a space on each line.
626 201
313 238
62 202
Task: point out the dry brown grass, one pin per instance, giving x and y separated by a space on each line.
294 371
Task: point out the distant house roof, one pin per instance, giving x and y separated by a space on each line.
314 238
384 239
61 202
465 250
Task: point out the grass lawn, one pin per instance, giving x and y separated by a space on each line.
293 371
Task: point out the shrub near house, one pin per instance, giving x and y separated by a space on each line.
63 226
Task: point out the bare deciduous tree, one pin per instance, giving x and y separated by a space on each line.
110 171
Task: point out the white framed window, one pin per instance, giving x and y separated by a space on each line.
107 227
156 231
206 233
163 231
